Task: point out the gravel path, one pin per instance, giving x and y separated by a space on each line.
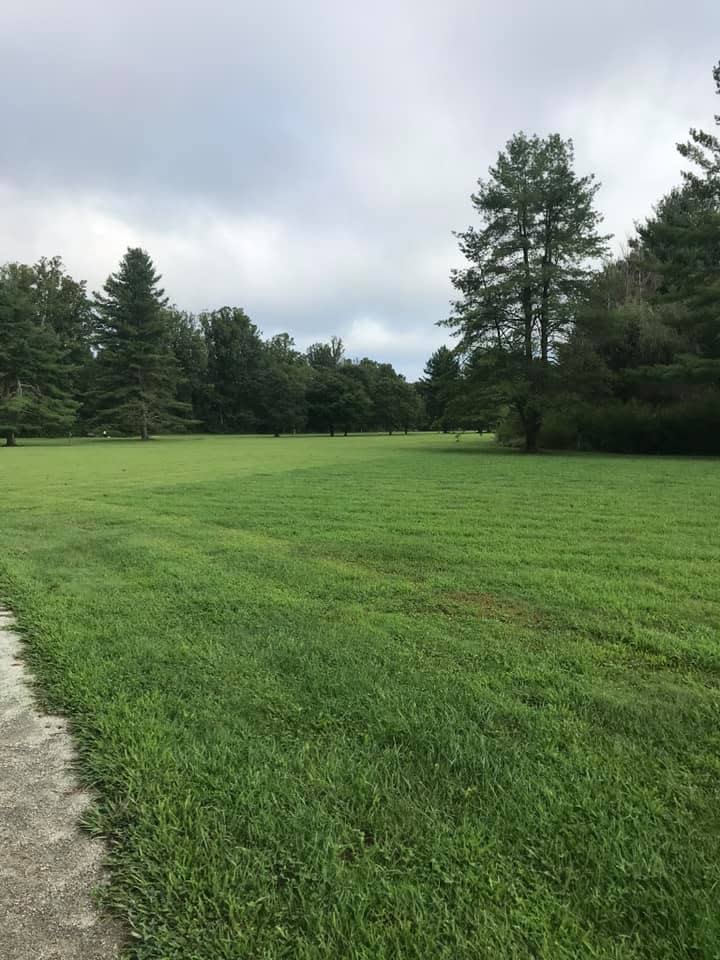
48 867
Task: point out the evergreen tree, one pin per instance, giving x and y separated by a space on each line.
438 387
530 267
136 375
63 303
681 243
35 375
703 150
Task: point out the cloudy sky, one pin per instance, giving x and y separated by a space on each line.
310 160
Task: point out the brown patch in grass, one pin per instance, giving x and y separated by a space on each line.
366 839
489 606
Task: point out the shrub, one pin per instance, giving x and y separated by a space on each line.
691 426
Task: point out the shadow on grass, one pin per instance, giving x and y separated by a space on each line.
495 449
482 448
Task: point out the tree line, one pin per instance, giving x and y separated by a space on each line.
126 362
561 345
557 344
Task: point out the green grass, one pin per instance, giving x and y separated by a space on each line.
383 697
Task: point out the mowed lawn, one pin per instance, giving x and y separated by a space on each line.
383 697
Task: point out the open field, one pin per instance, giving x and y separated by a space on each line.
383 697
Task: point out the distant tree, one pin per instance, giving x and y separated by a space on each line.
191 355
390 399
235 364
35 373
530 267
326 355
411 409
283 386
478 401
63 303
337 398
438 386
137 373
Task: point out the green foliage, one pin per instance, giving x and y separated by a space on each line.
380 699
137 365
35 360
191 356
688 426
394 400
134 387
703 150
235 361
682 243
530 267
326 356
336 400
439 388
640 370
283 386
364 395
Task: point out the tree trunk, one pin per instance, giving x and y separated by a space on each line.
544 324
526 293
10 440
531 418
528 325
545 296
532 422
144 431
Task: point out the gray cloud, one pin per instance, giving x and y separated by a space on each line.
310 161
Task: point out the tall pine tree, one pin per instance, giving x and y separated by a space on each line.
529 268
136 376
438 386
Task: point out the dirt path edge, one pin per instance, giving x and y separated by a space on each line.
48 866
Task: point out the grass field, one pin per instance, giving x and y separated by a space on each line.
383 697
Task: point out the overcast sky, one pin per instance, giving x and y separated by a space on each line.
309 160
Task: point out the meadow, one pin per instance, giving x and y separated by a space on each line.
383 697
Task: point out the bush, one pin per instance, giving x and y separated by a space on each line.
688 427
510 430
559 430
